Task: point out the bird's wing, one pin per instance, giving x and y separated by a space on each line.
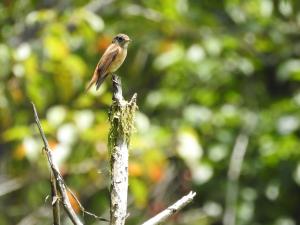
108 57
100 72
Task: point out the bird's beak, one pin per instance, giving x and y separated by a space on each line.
128 40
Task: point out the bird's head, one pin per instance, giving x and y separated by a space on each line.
122 40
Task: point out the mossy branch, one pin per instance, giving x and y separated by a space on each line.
121 117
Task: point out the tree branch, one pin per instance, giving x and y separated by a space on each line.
7 186
121 117
171 210
55 201
84 210
60 185
235 165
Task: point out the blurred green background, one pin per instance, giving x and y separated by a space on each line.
206 72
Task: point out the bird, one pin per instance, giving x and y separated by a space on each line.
111 60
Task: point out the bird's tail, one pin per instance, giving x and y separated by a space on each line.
93 80
100 81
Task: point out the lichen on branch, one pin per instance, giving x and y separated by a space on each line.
121 117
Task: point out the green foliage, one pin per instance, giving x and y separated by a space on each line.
204 71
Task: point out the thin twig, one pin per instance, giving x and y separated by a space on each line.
58 178
55 201
85 211
236 162
171 210
8 186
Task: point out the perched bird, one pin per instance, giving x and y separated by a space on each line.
111 60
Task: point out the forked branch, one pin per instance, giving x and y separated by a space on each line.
58 187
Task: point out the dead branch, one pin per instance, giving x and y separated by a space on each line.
59 182
121 117
171 210
235 166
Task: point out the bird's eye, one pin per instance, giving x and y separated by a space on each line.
120 39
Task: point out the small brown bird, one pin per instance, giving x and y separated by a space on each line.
111 60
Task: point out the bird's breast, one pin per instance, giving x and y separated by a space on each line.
118 60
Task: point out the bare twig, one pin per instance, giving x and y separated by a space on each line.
236 162
11 185
60 185
55 201
121 118
171 210
84 210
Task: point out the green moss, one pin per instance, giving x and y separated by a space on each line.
121 118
